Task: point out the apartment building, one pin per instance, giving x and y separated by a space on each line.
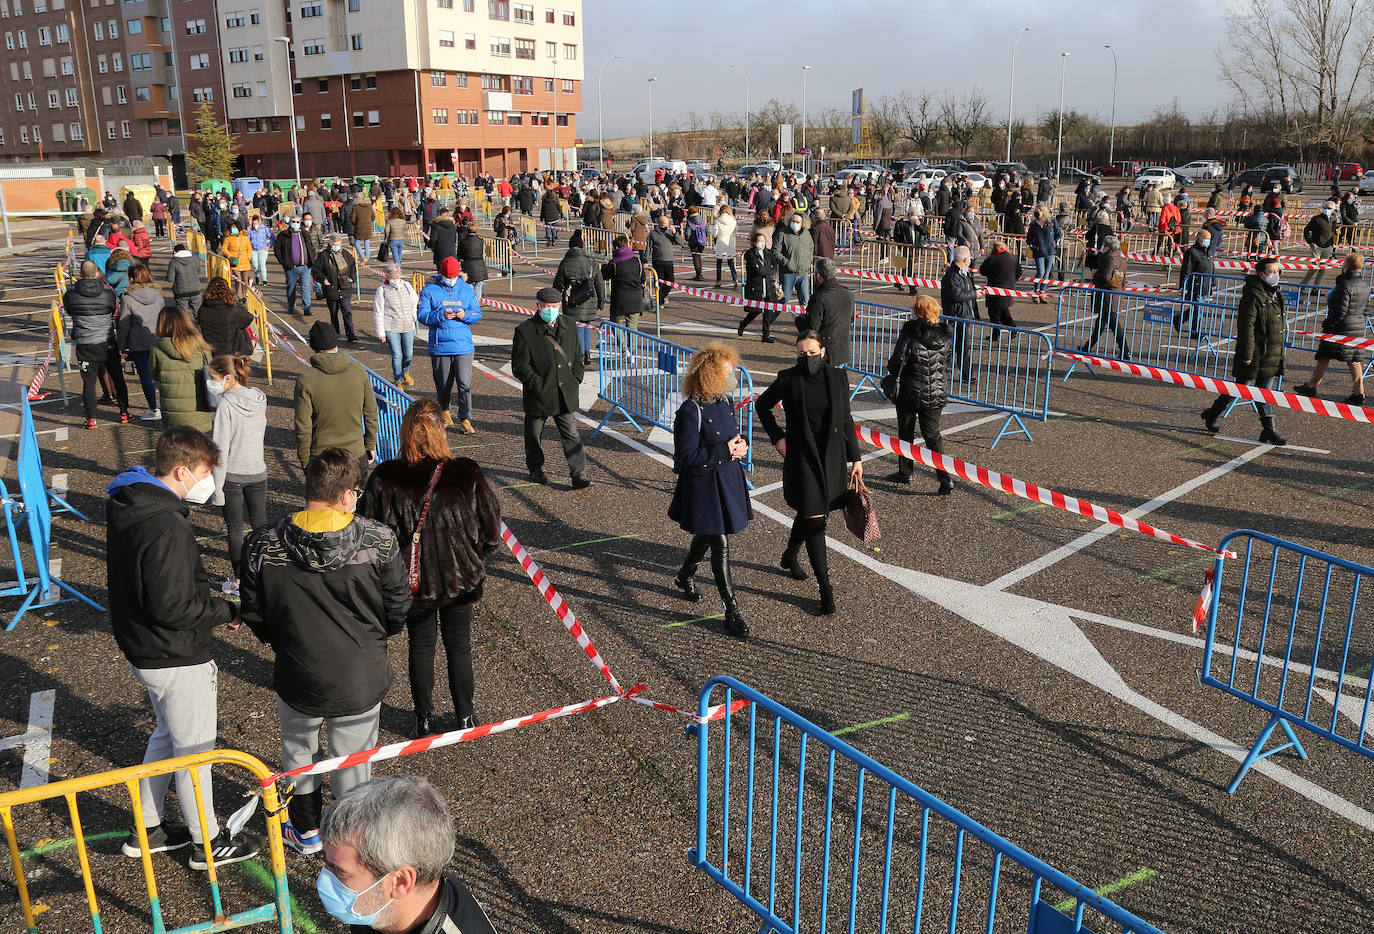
67 87
392 87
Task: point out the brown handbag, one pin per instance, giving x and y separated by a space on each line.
859 515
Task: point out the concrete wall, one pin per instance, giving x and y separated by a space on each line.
40 194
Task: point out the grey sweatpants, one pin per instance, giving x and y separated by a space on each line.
300 745
183 702
453 371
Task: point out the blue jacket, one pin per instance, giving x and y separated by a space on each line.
100 255
1043 238
711 496
260 239
448 337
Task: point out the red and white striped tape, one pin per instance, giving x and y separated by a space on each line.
987 290
1023 489
1203 607
732 300
1360 342
1223 263
1284 258
529 262
1225 387
36 383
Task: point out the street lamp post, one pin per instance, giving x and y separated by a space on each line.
746 112
651 117
600 132
291 95
1111 145
1059 151
1011 87
805 154
553 153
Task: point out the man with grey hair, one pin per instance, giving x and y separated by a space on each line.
1320 235
829 312
959 301
386 843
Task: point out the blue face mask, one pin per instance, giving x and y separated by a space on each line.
339 900
548 315
1204 243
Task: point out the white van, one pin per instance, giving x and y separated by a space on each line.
646 170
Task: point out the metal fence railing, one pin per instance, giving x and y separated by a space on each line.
392 403
1288 633
810 834
902 259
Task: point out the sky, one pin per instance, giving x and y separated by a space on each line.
1165 50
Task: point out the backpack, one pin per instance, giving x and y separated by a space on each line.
579 291
1285 231
697 234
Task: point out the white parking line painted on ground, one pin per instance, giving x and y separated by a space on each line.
1083 541
37 740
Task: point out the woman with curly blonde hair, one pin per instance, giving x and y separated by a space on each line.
711 500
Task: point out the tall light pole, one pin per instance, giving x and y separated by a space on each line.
553 153
1111 146
805 154
601 133
291 95
1011 87
1059 151
651 117
746 112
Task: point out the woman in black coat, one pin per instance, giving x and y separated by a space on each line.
817 442
625 273
472 258
711 499
920 364
550 212
760 284
1001 269
462 526
1345 311
223 320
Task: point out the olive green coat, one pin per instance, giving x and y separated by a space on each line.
1259 332
181 387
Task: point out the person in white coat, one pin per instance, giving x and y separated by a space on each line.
393 316
723 234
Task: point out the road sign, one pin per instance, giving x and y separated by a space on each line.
784 139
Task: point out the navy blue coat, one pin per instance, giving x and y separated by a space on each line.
711 497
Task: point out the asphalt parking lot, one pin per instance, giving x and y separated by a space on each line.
1040 679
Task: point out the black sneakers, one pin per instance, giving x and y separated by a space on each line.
160 840
225 851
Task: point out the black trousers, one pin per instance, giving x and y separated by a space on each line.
999 316
961 354
236 497
97 360
424 627
567 431
342 305
666 274
929 422
1105 310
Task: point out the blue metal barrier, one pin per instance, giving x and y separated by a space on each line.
640 376
1011 373
1272 609
391 408
35 495
874 834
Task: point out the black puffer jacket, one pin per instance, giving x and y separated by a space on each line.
921 358
1345 306
957 297
160 604
462 528
443 239
577 266
1260 324
830 313
326 602
471 257
90 303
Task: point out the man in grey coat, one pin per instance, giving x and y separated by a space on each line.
658 253
183 274
795 252
830 313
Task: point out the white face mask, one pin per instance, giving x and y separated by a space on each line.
308 222
796 228
335 247
214 388
1272 279
449 282
200 491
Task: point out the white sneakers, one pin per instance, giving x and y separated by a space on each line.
151 415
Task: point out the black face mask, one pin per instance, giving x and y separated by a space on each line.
812 363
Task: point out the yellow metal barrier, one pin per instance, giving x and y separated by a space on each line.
1356 235
217 267
258 309
278 910
597 241
903 259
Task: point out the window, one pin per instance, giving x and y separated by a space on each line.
326 121
253 125
374 118
548 14
493 83
33 102
524 48
355 6
370 82
19 102
133 27
444 4
238 55
438 79
112 29
315 47
500 47
440 115
199 61
68 66
24 133
498 9
445 39
568 85
143 94
23 38
522 84
355 42
121 94
72 100
145 61
258 53
54 99
28 70
233 20
63 35
470 41
562 119
242 90
262 89
195 27
125 130
550 49
202 94
569 52
14 71
255 17
469 6
297 87
74 131
569 18
59 133
300 122
109 130
358 119
173 127
311 9
322 86
154 127
462 116
49 68
548 85
9 41
523 12
276 124
496 117
173 93
165 24
460 79
355 82
513 119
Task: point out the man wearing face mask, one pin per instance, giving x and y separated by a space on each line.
1258 360
386 845
545 358
295 253
795 253
1320 235
163 618
1197 261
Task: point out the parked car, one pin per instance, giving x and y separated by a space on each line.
759 168
1202 168
864 169
1366 185
1119 169
1342 171
987 168
1072 175
1017 170
590 173
928 176
976 180
698 165
645 170
1265 176
1159 176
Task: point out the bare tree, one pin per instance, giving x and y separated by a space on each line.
964 118
884 124
920 118
1306 65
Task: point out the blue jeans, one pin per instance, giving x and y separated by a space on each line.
364 250
1042 270
477 287
585 332
402 344
802 285
298 282
396 252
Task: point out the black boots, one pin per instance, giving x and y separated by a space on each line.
1209 418
424 725
1268 435
685 580
719 546
810 531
